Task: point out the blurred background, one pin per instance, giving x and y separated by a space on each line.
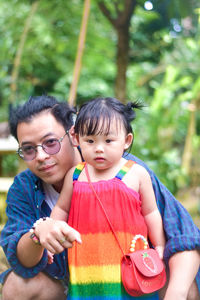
131 49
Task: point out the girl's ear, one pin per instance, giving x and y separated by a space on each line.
74 137
128 141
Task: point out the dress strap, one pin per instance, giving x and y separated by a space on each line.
126 167
79 168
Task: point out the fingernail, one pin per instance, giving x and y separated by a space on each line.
79 240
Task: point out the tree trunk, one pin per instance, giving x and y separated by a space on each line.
17 60
188 149
81 44
121 23
122 62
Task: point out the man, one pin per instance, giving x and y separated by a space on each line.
42 128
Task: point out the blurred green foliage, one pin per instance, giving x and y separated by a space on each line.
10 165
3 216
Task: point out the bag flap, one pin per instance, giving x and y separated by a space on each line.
147 262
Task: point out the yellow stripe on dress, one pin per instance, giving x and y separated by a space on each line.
95 274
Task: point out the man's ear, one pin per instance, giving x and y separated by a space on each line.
128 141
74 137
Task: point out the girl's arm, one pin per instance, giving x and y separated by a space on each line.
61 209
150 211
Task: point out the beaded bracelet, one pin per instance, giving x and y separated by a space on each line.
35 239
33 236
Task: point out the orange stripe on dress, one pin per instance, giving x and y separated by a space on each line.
109 253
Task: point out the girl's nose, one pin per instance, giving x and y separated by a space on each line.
99 148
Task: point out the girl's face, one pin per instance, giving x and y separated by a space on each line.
103 151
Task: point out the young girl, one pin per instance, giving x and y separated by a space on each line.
103 132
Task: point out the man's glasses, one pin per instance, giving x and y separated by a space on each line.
50 146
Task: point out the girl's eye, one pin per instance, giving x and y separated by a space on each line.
90 141
108 141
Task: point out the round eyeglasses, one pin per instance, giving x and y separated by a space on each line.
50 146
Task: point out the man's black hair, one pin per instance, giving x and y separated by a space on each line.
62 112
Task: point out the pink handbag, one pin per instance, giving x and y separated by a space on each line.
142 271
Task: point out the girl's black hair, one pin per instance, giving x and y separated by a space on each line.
95 116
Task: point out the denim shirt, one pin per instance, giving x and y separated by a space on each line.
26 203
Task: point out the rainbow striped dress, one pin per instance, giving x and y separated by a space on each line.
94 266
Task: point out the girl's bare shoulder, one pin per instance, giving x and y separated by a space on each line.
140 172
139 169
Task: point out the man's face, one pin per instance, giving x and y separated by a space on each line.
50 168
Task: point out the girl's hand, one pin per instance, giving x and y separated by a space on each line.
160 250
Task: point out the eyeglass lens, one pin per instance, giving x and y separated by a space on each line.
51 146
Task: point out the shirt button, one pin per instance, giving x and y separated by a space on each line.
55 277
